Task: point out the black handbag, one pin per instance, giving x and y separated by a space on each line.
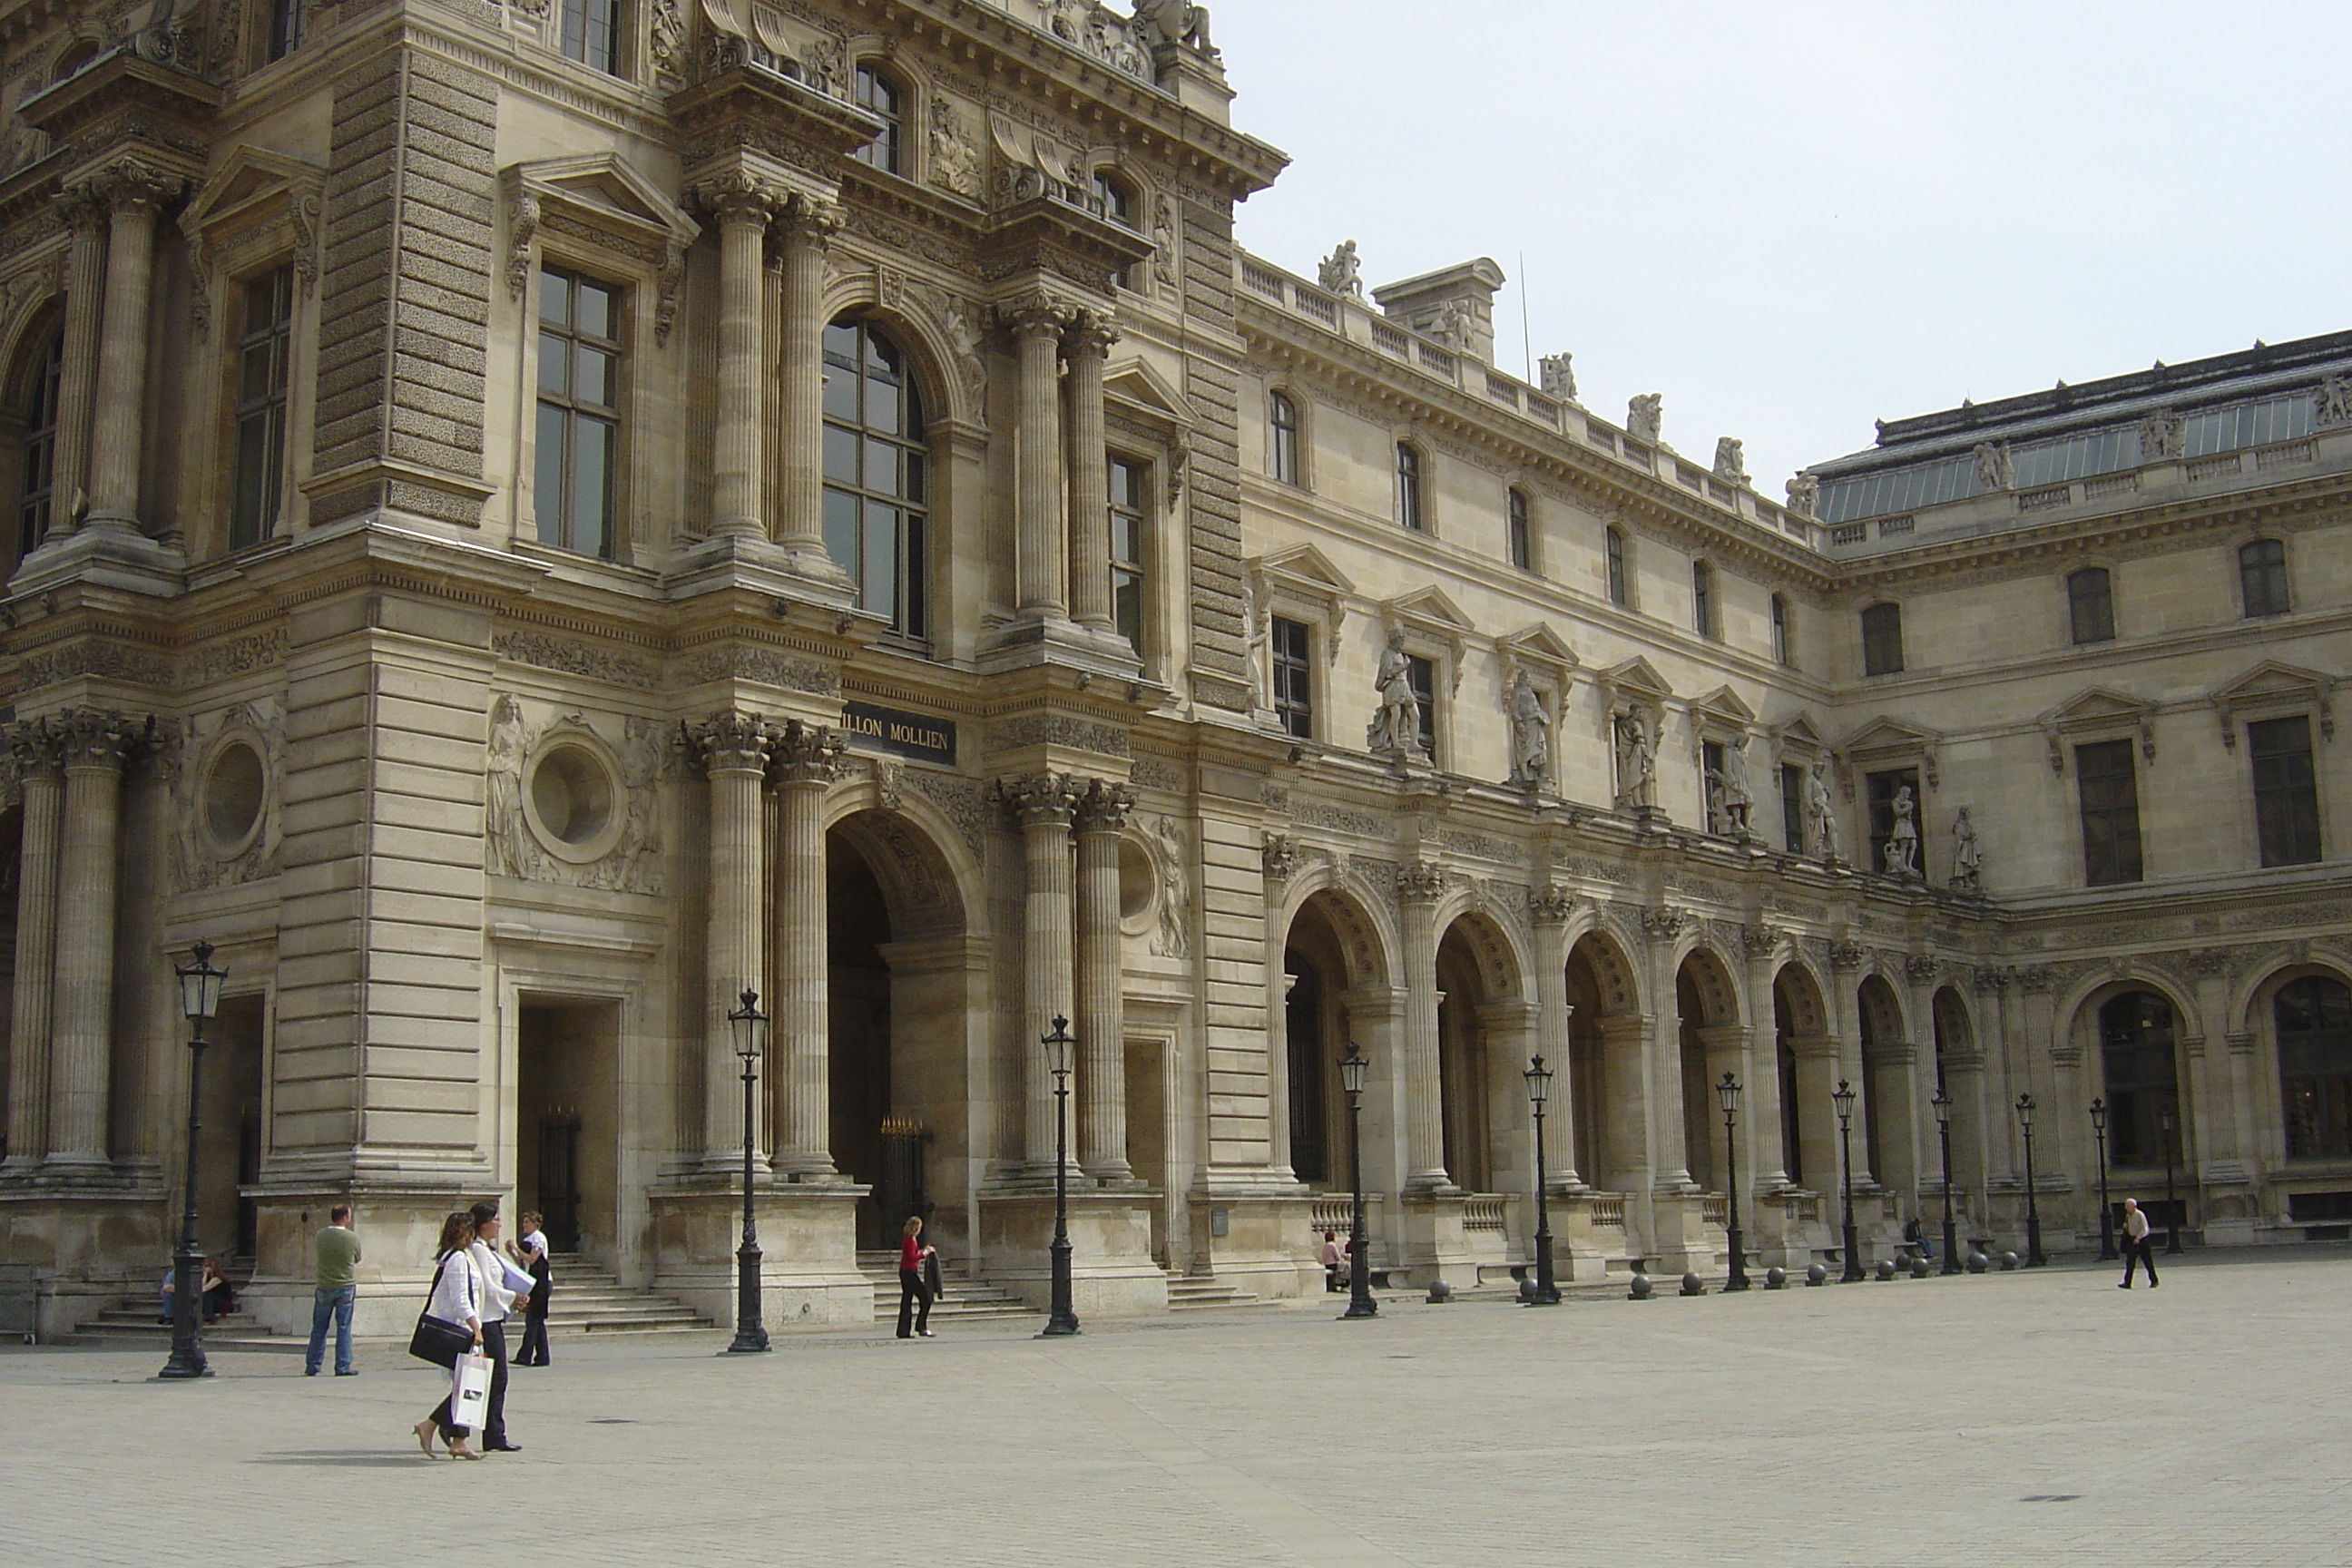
437 1340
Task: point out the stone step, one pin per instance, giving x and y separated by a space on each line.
962 1301
1206 1292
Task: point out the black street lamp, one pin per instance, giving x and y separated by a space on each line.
1943 1104
1546 1294
2106 1217
200 989
1842 1097
751 1334
1727 1092
2171 1204
2034 1258
1360 1303
1061 1318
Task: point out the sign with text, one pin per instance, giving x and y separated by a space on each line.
913 735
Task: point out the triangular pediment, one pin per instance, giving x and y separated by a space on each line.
605 191
1637 677
1540 643
1724 703
2098 704
1138 385
1883 734
1302 563
2272 678
1799 734
252 178
1430 607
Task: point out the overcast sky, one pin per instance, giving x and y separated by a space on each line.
1793 216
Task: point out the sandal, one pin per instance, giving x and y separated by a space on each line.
424 1430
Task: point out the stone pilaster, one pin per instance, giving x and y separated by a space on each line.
133 191
1043 805
1551 907
806 759
1817 1076
1041 543
35 745
734 751
1101 811
1087 343
96 747
1420 885
85 216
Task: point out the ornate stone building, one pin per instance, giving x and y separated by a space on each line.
536 520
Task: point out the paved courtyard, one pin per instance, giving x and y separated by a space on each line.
2036 1418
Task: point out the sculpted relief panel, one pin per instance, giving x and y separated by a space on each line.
569 802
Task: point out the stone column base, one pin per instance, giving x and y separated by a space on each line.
1431 1244
1112 1272
808 1241
1682 1241
1587 1235
90 1247
1269 1246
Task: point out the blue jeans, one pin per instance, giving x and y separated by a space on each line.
335 1303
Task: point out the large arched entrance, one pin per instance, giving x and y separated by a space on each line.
1709 1011
1314 1030
1805 1056
1611 1147
1885 1071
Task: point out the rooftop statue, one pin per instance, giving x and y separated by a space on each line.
1994 470
1341 272
1168 22
1643 418
1804 495
1731 459
1559 374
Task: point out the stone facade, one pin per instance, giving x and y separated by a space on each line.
521 542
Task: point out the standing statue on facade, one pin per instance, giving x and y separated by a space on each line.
1821 813
1637 764
1903 843
1968 855
1341 272
1167 23
1994 470
1559 374
1738 799
511 850
1395 732
1530 735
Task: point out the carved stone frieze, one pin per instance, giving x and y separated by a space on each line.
1551 904
1759 941
93 655
571 656
1921 969
1848 956
1059 729
770 666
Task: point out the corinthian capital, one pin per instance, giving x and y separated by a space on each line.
1102 807
1088 333
812 221
36 745
805 753
1038 800
732 742
1034 315
92 740
739 197
131 184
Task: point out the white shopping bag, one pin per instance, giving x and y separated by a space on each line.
470 1391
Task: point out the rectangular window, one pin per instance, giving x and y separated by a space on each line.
2286 790
1882 639
2109 788
1131 486
1784 651
1282 419
1293 678
263 344
285 19
1408 486
2262 577
1620 587
592 33
1423 677
579 410
1792 808
2091 604
1522 543
1883 789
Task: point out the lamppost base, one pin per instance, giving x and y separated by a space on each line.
2033 1257
746 1344
751 1334
1062 1317
1951 1249
177 1371
1058 1328
1366 1308
1737 1278
1853 1272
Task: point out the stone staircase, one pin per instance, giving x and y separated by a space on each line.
962 1301
1206 1293
134 1323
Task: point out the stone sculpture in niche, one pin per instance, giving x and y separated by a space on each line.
1395 732
1968 854
1903 842
955 159
1731 459
1175 940
1821 813
1559 376
1644 417
1637 764
1530 735
1738 799
1341 272
511 850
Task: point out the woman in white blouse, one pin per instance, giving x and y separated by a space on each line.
456 1298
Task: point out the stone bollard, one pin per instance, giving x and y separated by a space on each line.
1527 1289
1978 1263
1693 1285
1918 1267
2008 1261
1817 1275
1885 1269
1440 1293
1640 1289
1775 1279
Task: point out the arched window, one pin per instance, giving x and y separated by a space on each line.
1703 599
37 402
1282 437
878 95
1408 486
2262 577
2091 604
1521 534
1620 587
877 473
2313 1016
1882 639
1784 649
1117 199
2136 1057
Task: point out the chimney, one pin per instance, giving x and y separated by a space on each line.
1455 305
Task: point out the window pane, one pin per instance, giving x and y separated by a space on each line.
840 394
592 485
882 559
840 454
917 559
554 364
548 497
882 467
595 377
882 410
554 297
595 318
841 529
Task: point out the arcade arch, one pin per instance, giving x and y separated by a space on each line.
1606 1108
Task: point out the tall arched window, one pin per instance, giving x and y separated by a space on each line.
2262 577
2313 1016
2091 604
877 473
1882 639
1621 586
38 443
1520 532
1703 619
1282 437
2136 1056
1408 486
878 95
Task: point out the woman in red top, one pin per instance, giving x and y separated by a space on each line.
911 1287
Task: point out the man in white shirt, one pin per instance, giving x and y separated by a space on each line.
498 1300
2137 1248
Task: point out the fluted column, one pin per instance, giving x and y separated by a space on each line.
743 205
35 745
133 193
1043 805
1669 1156
1817 1128
808 230
85 216
1087 343
1551 907
1102 812
1846 960
1761 1151
1420 885
1041 543
95 746
806 759
734 751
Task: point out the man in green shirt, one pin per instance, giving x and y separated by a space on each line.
337 1251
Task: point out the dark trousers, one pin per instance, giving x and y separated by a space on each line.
494 1430
534 1340
2140 1254
911 1291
